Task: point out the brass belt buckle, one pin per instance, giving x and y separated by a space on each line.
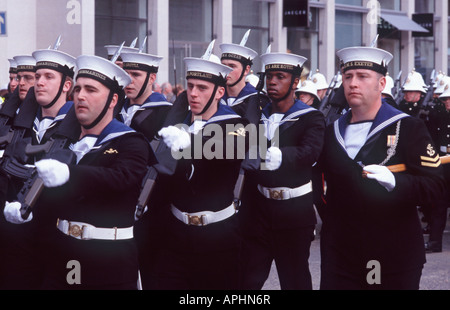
195 220
276 194
75 230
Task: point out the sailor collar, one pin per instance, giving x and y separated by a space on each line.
59 117
298 109
154 100
112 131
386 116
248 91
223 113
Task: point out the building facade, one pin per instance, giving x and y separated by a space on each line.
414 31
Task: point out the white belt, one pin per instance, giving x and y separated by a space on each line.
84 231
204 217
284 193
445 149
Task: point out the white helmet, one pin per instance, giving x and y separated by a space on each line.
442 85
415 82
320 80
438 78
389 85
252 79
308 86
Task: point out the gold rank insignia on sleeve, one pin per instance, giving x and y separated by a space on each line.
431 160
111 151
240 132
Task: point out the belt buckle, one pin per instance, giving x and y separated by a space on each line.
75 230
195 220
276 194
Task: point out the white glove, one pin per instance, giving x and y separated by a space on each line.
175 138
54 173
12 213
382 175
273 158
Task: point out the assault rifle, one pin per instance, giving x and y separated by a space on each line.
56 148
397 90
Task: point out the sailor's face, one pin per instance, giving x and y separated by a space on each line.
138 78
306 98
47 84
278 84
446 101
362 87
13 81
90 98
26 81
198 93
234 75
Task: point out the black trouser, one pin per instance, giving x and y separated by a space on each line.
289 248
340 279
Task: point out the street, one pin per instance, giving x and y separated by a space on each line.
435 275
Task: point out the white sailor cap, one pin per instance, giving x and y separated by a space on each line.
308 86
320 80
141 61
443 85
283 62
362 57
55 60
12 66
389 85
238 52
197 68
112 49
415 82
103 71
25 63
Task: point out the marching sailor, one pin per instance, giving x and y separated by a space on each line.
371 235
278 216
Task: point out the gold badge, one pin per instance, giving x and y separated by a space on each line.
240 132
111 151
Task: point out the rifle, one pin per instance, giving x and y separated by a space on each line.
324 107
56 148
429 96
396 90
7 114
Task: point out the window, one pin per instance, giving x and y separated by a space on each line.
252 15
305 41
190 32
118 21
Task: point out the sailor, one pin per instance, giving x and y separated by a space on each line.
13 80
386 94
93 201
143 110
371 235
26 68
277 213
112 49
240 95
203 250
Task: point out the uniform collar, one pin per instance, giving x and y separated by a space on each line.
247 91
113 130
298 108
386 116
223 113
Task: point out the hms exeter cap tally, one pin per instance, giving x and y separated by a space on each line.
141 61
283 62
55 60
25 63
363 57
102 70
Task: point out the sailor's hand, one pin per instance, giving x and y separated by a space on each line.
273 158
175 138
52 172
13 215
382 175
